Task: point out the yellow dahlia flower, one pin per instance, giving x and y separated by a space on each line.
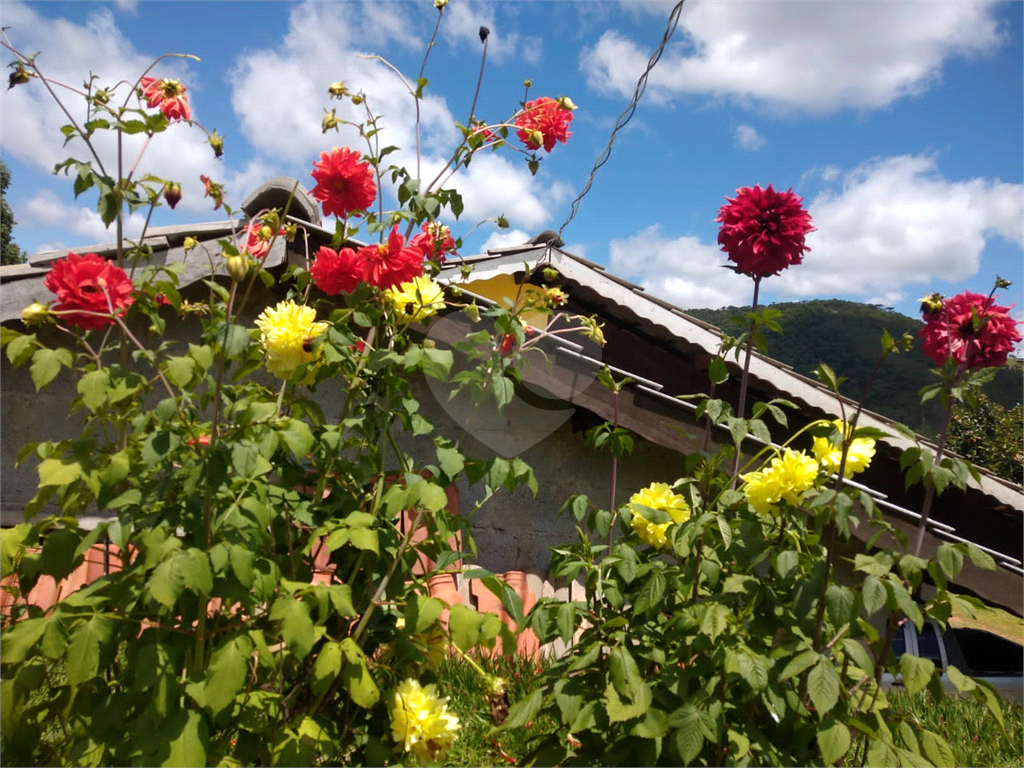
785 479
287 331
657 496
416 300
862 450
420 721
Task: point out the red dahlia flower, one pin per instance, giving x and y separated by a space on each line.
434 241
343 183
90 284
546 116
258 243
972 330
169 95
336 272
763 230
390 264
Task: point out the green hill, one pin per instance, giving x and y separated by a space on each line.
847 336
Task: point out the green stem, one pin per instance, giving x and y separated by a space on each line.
929 493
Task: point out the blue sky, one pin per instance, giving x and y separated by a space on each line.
900 123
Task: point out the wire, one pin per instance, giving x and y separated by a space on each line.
627 114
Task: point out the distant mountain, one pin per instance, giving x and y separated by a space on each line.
847 336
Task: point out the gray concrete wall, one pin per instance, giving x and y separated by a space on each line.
513 531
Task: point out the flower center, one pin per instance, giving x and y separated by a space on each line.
171 89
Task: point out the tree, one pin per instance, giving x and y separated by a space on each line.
11 253
989 436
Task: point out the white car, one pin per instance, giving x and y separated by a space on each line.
974 652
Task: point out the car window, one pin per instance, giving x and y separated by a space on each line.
928 646
899 643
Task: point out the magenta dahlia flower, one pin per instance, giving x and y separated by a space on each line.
763 230
972 330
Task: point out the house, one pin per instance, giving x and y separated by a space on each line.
659 347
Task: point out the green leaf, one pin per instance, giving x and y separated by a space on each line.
180 370
326 668
650 594
46 365
422 613
296 624
20 348
565 620
937 750
962 682
93 388
225 676
980 558
355 676
841 603
620 711
714 620
504 390
83 656
188 747
341 598
916 672
950 559
195 571
833 741
858 654
167 582
298 437
799 663
20 639
689 738
717 371
823 687
432 496
451 461
56 472
524 710
874 594
464 624
905 602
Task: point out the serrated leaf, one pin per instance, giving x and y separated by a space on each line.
83 654
464 624
451 461
422 612
980 558
916 672
93 388
689 738
326 668
46 364
799 663
650 594
833 741
225 676
937 750
823 686
841 603
296 624
56 472
524 710
874 594
298 437
717 371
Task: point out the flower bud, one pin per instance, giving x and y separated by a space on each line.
566 103
19 76
1002 282
189 243
550 274
931 304
35 313
429 344
473 312
496 686
502 222
172 194
337 90
357 99
217 142
439 4
238 267
266 232
102 96
330 121
290 231
527 83
272 219
466 270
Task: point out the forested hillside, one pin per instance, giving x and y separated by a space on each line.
847 335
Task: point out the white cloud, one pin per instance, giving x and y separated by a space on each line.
461 25
69 52
891 223
896 222
128 6
504 238
682 270
747 137
47 211
816 57
320 46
